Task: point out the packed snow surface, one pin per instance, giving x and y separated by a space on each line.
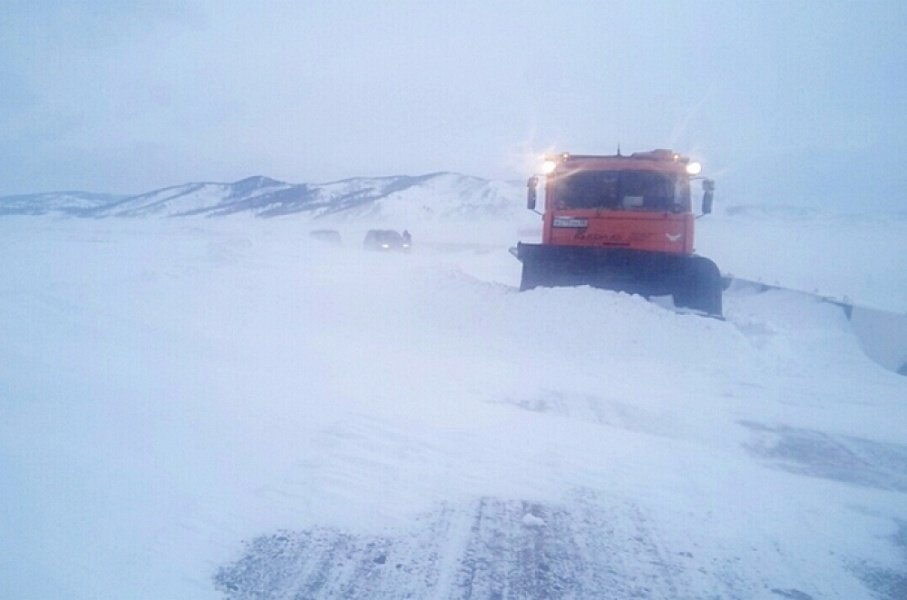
202 408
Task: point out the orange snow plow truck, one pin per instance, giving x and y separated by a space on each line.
622 223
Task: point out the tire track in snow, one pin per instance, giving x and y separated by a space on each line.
590 546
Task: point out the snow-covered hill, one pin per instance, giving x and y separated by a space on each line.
422 198
228 408
66 203
193 199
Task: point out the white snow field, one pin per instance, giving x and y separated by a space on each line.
228 408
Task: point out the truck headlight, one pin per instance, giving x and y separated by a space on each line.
548 166
694 168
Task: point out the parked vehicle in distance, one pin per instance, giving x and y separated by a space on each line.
385 240
328 236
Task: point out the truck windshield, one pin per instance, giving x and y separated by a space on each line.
617 190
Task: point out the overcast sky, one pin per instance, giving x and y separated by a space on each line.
794 102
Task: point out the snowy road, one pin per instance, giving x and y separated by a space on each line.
228 409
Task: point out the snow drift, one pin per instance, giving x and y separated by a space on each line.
229 408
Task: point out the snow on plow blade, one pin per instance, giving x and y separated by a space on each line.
693 281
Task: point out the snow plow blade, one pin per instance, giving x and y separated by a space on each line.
693 281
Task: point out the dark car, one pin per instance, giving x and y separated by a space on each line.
385 240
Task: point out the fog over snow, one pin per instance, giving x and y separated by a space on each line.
229 408
786 103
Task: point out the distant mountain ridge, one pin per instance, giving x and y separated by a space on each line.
54 202
425 197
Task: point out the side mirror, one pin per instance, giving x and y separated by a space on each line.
531 192
708 191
